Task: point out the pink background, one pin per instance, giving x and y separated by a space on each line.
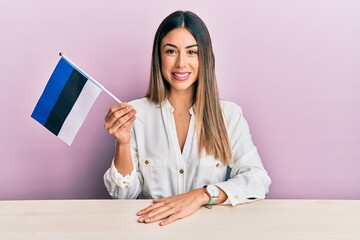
293 66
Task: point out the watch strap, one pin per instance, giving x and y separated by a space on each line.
212 201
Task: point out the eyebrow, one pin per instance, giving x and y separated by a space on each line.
174 46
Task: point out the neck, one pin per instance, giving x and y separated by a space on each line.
181 100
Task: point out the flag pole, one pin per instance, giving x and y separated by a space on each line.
89 77
93 80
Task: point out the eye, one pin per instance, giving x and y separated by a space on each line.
170 51
192 52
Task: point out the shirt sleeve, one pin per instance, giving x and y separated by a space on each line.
128 186
249 180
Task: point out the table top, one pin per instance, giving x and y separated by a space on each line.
116 219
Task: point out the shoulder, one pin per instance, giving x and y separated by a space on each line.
235 121
231 110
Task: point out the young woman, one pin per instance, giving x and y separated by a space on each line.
179 152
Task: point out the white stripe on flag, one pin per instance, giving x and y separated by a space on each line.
79 112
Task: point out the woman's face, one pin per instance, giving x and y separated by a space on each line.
179 59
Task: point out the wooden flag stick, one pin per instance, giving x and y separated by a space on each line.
93 80
89 77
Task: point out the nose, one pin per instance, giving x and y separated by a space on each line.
181 61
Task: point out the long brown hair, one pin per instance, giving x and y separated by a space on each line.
210 126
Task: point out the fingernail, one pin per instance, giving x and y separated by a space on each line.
141 219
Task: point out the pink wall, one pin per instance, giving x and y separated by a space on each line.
294 67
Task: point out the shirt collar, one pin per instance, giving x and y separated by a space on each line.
167 105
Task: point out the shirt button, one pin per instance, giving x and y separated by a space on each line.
181 171
236 196
146 162
218 165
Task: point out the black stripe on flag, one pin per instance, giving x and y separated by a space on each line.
65 102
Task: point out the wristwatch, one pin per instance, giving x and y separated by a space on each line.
213 193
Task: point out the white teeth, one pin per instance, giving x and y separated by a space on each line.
181 75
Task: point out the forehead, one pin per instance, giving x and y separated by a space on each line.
179 37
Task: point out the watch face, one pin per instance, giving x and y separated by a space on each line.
212 190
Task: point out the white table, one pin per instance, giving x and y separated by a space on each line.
116 219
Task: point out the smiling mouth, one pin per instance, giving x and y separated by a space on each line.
181 76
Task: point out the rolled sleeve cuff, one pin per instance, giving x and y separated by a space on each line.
234 196
119 179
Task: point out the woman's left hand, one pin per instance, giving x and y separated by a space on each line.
172 208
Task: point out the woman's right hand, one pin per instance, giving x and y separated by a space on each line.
118 122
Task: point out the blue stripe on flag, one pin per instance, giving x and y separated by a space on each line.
52 91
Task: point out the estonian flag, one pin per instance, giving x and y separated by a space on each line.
66 100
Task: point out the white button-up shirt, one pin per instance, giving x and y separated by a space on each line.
160 169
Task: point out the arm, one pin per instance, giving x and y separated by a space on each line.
123 160
248 178
176 207
118 122
121 179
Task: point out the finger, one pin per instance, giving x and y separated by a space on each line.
115 116
170 219
161 213
158 200
123 122
129 122
149 209
166 199
126 126
117 112
115 108
121 117
165 210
